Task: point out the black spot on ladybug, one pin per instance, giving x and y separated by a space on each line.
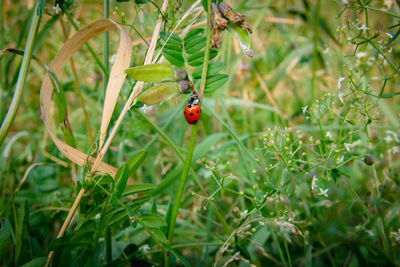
194 121
197 111
191 114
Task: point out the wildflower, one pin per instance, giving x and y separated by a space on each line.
314 183
144 248
396 137
323 192
340 80
345 2
364 28
341 97
57 9
388 34
328 134
244 213
396 235
304 109
348 146
388 139
395 149
340 159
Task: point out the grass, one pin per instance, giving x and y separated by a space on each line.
294 162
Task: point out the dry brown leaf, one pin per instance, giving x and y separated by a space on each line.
116 79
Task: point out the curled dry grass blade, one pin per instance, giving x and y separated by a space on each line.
116 79
115 83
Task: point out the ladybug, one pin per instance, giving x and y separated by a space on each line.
192 110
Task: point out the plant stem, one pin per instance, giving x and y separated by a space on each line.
315 51
23 72
188 160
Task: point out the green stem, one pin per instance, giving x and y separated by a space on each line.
23 72
315 51
192 142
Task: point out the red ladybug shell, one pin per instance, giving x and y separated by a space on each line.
192 113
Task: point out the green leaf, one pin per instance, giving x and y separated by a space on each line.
192 33
216 82
38 262
174 58
202 148
160 236
5 235
135 161
119 185
151 72
213 68
138 2
389 95
194 44
197 58
153 220
137 188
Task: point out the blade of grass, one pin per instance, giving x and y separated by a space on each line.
23 72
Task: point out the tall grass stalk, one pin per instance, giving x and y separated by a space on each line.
23 72
315 50
188 160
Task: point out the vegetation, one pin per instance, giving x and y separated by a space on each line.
294 161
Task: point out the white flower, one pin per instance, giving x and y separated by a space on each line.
340 159
97 216
361 54
348 146
388 139
323 192
244 213
388 34
341 97
395 149
144 248
345 2
396 235
313 183
396 137
305 109
57 9
364 28
340 80
328 134
112 59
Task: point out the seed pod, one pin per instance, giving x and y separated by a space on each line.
151 72
234 17
184 85
369 160
180 74
247 27
159 93
217 21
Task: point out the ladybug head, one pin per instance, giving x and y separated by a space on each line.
194 99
